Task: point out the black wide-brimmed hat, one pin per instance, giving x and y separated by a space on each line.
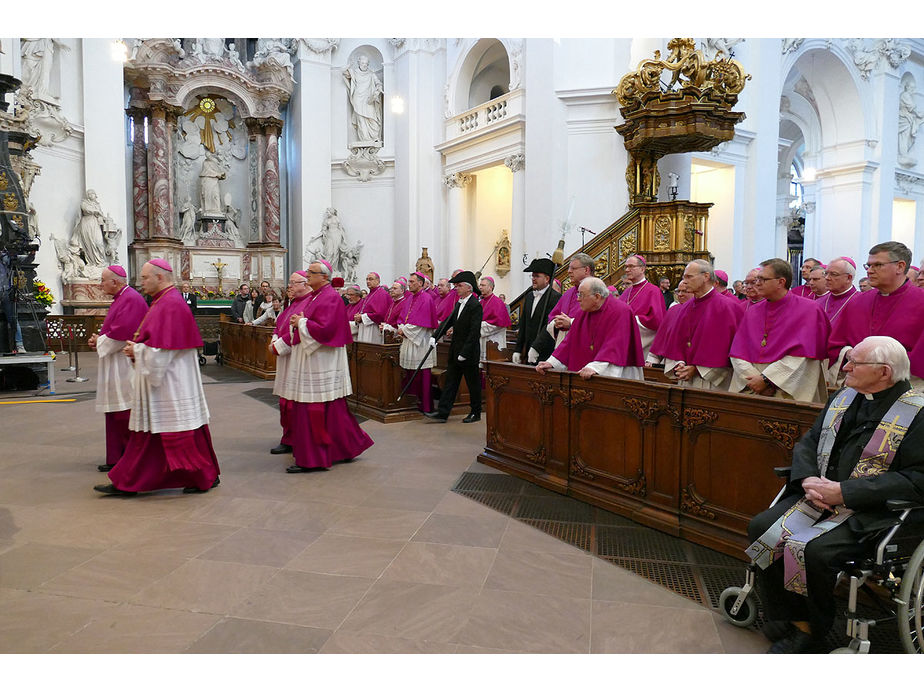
467 277
542 265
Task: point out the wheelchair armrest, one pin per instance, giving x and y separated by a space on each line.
899 505
782 472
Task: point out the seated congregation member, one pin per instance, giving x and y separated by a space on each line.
114 389
865 448
324 430
169 444
568 307
190 297
696 343
779 349
446 301
416 323
603 340
495 317
269 314
371 311
239 304
534 344
284 338
894 308
465 323
645 300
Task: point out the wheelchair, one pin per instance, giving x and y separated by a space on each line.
896 568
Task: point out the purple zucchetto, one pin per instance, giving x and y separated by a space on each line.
118 270
160 262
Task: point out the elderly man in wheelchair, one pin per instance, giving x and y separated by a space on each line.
859 470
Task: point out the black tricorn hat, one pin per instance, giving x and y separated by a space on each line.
466 277
542 265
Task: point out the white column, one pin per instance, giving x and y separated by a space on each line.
308 150
105 133
517 163
455 241
10 57
887 88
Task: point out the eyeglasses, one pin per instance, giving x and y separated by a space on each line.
761 280
299 282
878 265
751 282
866 363
834 275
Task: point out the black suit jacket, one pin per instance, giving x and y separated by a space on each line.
866 496
191 301
466 331
531 332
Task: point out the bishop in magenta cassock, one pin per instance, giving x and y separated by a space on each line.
398 293
779 349
372 310
324 429
284 338
894 307
114 389
695 343
568 307
416 323
841 291
804 290
354 296
169 445
446 299
495 317
603 340
645 300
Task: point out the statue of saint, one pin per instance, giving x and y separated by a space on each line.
187 222
88 234
909 120
209 189
38 56
232 219
366 100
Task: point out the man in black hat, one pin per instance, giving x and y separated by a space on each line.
534 343
464 350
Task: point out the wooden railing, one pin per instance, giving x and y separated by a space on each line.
693 463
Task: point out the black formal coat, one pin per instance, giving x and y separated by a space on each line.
466 331
191 301
866 496
531 332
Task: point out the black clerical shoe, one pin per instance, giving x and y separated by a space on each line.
295 469
472 418
111 490
776 630
281 449
196 489
797 642
436 416
104 467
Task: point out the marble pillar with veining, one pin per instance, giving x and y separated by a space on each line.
271 188
159 174
139 176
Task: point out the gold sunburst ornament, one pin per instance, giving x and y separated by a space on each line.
207 108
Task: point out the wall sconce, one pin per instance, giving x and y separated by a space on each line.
397 105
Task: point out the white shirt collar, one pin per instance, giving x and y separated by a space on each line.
640 281
539 292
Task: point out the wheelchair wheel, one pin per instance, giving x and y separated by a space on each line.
201 360
746 615
911 604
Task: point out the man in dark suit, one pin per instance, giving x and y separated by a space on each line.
190 297
868 450
464 350
534 343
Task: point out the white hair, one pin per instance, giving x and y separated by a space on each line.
595 286
890 352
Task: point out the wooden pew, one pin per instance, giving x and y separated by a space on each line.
693 463
245 347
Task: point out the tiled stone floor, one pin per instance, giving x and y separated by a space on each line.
374 556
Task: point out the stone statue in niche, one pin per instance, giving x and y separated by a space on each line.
366 101
209 188
331 244
187 230
38 56
910 119
89 231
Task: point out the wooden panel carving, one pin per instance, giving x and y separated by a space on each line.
544 391
690 502
785 434
698 417
576 397
497 381
643 409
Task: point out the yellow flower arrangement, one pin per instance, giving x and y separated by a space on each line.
43 294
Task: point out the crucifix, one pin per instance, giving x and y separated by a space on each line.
219 266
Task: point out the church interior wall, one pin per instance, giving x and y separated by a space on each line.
861 193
